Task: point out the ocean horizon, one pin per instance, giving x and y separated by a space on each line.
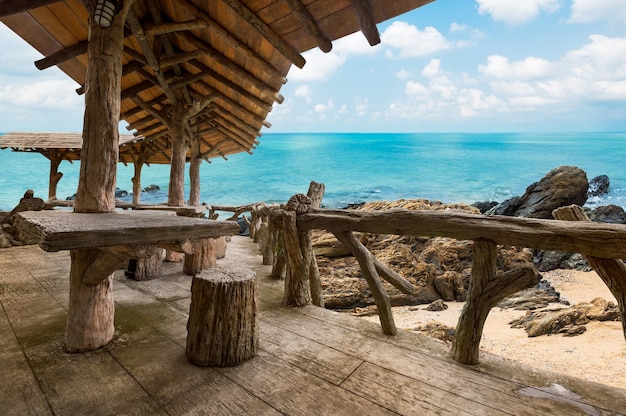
362 167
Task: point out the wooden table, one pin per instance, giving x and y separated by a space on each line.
105 241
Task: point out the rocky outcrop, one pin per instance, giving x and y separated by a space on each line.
439 268
563 186
567 321
9 236
552 260
599 185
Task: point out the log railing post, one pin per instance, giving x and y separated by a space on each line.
485 291
316 193
611 271
296 291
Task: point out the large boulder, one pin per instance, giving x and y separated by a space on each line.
565 185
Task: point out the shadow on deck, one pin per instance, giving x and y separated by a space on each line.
311 361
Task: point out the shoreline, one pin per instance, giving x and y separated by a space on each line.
597 355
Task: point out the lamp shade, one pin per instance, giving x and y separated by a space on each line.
104 12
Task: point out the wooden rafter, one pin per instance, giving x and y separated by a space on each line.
311 26
264 30
367 22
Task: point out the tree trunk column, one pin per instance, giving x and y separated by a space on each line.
222 329
91 308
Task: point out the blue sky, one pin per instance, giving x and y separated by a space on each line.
465 66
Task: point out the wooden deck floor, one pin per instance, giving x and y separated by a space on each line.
311 361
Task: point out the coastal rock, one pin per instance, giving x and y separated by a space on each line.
562 186
599 185
439 268
552 260
567 321
151 189
609 213
484 206
437 330
4 241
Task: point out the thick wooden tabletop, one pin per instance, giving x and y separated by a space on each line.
65 230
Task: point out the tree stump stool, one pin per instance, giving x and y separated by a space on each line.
222 329
203 257
145 268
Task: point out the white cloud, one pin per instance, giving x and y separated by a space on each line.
48 94
408 41
361 106
305 92
403 74
324 108
586 11
516 11
320 65
530 68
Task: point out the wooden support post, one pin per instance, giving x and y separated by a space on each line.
486 290
366 261
296 291
220 247
91 308
280 257
222 329
611 271
316 193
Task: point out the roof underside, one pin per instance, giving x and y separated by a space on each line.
183 50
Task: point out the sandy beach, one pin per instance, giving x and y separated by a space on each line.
598 355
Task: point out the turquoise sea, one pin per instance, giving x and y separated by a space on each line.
357 167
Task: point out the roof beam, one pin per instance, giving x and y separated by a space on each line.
237 71
155 29
153 62
311 26
264 30
9 7
239 46
367 22
63 55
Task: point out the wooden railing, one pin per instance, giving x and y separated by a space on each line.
601 244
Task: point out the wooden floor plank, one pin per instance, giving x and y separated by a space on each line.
21 394
311 361
405 394
444 374
295 392
312 357
151 358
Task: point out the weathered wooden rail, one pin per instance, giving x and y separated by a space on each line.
601 243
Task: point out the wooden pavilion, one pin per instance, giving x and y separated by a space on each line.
57 147
200 74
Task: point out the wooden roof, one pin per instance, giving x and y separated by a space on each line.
66 145
236 52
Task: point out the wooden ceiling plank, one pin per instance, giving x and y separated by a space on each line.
367 21
238 122
232 85
10 7
311 26
264 30
216 28
231 66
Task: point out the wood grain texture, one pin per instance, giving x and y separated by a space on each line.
595 239
62 230
223 329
